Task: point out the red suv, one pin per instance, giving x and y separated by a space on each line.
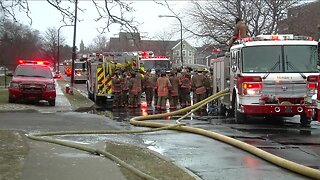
32 81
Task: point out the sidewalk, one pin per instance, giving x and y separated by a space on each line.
33 160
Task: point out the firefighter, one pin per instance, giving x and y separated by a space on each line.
156 76
208 83
134 90
140 84
116 90
163 86
240 31
125 89
185 86
179 76
149 86
198 86
173 95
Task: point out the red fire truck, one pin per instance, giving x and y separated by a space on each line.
268 75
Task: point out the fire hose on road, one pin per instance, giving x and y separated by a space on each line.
141 121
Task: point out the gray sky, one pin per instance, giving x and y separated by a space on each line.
43 16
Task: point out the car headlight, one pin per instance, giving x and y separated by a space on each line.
51 86
14 85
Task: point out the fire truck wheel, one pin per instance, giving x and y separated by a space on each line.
304 121
238 116
90 95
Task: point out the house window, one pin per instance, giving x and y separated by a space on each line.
184 53
190 53
131 42
177 53
183 46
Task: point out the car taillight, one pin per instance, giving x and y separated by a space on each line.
312 84
250 85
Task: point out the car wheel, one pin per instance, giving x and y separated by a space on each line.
52 102
11 100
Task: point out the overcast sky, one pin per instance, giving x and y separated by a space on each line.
43 16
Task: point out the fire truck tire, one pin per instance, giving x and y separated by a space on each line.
90 96
239 117
304 121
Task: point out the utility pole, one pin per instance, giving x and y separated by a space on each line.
74 53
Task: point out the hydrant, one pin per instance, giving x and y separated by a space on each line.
67 88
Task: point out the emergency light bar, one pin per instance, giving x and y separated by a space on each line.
34 62
278 37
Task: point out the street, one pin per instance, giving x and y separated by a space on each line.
205 158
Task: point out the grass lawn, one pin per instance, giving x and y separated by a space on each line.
4 79
4 95
77 100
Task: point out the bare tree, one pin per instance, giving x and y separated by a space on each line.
165 39
109 11
99 43
214 21
50 43
18 42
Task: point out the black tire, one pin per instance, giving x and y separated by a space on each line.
239 117
304 121
52 103
11 100
90 95
99 100
222 110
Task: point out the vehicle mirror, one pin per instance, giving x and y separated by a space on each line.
234 68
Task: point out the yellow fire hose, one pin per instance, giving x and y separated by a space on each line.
140 121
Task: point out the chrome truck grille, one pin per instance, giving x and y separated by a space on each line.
285 89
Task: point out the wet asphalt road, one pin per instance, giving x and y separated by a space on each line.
210 159
207 158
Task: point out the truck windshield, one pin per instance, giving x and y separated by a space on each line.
300 58
261 59
287 58
156 64
81 66
33 71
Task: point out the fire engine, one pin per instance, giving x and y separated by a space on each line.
80 70
268 75
101 68
100 72
148 61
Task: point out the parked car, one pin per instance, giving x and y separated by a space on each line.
32 81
